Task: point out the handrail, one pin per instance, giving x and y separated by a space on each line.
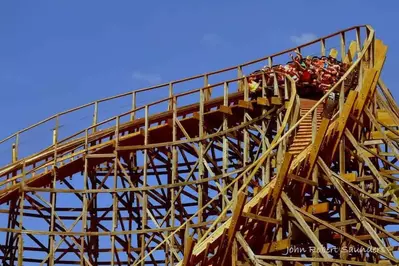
207 75
181 80
117 117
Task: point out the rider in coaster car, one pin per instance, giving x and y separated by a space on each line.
307 71
312 74
254 80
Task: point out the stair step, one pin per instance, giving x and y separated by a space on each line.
297 151
304 141
299 145
298 148
310 117
307 110
304 133
304 111
305 129
301 140
308 123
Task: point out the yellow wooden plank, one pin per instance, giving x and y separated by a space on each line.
275 246
314 153
208 93
263 101
378 135
188 249
389 172
273 198
200 247
274 164
260 218
235 223
380 53
342 122
318 208
333 53
385 263
368 81
258 197
276 101
245 104
385 118
281 177
225 110
234 254
351 52
369 154
351 177
371 77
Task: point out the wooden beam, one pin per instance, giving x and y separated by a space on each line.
318 208
247 249
301 179
188 250
260 218
370 75
245 104
342 122
275 246
320 248
356 211
314 153
235 223
264 101
351 52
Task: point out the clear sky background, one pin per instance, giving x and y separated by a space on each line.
56 55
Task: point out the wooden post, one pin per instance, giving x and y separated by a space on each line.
14 153
95 116
134 100
114 194
225 140
145 197
200 159
53 195
240 76
170 105
84 207
21 214
343 48
174 177
323 47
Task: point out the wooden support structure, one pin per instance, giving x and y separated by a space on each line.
236 178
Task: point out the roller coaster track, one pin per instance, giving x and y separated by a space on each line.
214 175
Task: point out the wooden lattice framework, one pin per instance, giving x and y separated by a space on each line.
231 179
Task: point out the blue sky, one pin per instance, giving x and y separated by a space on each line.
59 54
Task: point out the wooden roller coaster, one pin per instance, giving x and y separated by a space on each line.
215 175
